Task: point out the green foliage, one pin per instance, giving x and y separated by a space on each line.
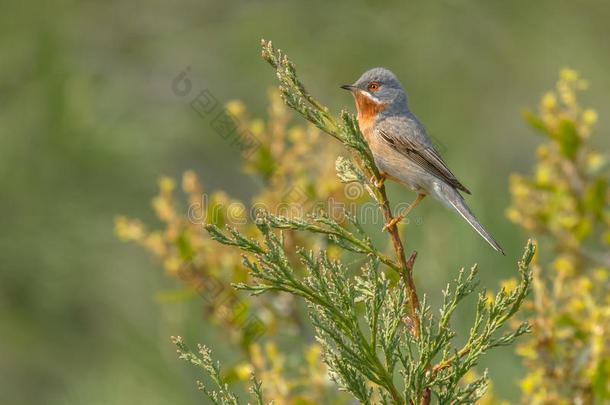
569 141
385 345
380 343
203 360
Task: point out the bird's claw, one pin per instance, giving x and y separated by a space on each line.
392 223
376 183
399 218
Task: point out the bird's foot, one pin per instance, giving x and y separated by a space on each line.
379 183
404 213
392 222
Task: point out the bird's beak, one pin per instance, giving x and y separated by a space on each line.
349 87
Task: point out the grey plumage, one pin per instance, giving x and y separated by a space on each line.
402 148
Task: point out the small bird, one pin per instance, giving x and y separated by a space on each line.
402 149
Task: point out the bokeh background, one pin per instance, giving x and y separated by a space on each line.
88 122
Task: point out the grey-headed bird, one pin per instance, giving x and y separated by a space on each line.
402 149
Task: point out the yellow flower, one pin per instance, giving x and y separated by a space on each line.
258 360
313 354
190 183
543 175
575 306
542 151
518 186
128 230
531 381
334 252
509 285
595 161
601 274
296 134
564 266
172 264
257 126
235 107
271 350
244 370
568 75
491 299
528 351
585 284
166 184
566 220
163 208
589 116
549 101
513 214
154 242
568 97
470 376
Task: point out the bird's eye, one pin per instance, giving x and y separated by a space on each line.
373 86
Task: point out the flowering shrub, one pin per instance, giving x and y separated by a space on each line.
566 203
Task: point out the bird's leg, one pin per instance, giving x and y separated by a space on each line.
382 177
404 213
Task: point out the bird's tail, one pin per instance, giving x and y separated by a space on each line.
453 199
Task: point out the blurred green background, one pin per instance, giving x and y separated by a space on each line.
88 122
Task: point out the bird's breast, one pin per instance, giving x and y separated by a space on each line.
368 110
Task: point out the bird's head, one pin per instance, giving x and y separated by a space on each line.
380 87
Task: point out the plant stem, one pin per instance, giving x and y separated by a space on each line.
406 266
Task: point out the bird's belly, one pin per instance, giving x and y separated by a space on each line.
396 165
401 169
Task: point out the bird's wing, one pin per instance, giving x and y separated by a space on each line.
423 155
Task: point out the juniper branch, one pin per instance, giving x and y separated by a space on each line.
351 351
504 307
328 292
297 97
364 357
203 360
335 232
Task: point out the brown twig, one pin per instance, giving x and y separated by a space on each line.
425 400
406 266
447 363
406 272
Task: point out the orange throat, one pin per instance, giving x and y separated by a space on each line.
367 112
